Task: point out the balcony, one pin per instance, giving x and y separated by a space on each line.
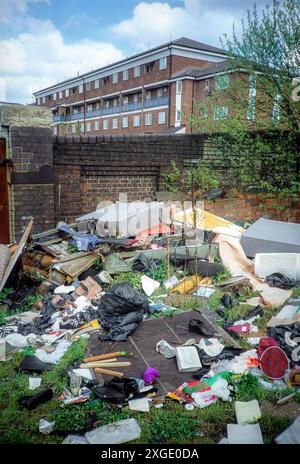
93 113
159 101
58 117
111 110
131 106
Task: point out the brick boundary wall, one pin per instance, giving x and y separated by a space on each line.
62 178
90 169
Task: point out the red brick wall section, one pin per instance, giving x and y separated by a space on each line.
250 206
31 189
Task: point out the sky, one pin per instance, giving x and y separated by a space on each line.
43 42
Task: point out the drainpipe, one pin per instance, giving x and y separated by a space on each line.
192 108
84 107
169 90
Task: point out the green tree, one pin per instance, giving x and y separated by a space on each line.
251 110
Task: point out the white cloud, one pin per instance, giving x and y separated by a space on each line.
154 23
10 9
40 58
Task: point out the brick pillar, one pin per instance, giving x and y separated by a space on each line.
32 190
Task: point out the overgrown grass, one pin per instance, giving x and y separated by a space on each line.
17 425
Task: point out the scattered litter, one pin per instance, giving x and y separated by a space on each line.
171 282
244 434
34 382
141 404
150 375
247 411
187 359
46 427
75 440
149 285
211 346
31 402
64 289
115 433
290 436
165 349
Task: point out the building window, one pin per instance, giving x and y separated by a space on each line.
136 120
220 112
88 126
105 80
55 130
148 94
125 122
73 128
125 100
88 86
115 101
276 108
115 123
135 97
206 85
67 93
55 96
81 127
73 90
105 124
44 99
96 84
251 98
60 95
159 92
97 106
90 107
163 63
178 86
125 75
137 71
222 82
49 98
97 125
115 78
161 117
81 88
149 67
178 116
106 103
148 119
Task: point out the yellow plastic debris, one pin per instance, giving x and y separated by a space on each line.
187 284
204 220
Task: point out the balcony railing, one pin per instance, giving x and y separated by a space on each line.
111 110
131 106
159 101
135 106
58 117
93 113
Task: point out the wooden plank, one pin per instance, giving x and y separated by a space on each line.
16 255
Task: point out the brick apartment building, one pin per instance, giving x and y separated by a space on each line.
148 93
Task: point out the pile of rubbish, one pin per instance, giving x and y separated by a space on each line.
109 273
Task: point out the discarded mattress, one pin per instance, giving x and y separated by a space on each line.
128 219
267 236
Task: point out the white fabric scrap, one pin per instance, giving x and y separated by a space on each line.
149 285
56 355
64 289
211 346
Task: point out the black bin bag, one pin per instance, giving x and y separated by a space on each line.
120 311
